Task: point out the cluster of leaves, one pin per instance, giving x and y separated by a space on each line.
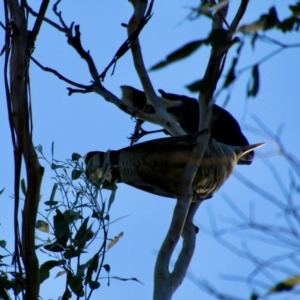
264 23
75 215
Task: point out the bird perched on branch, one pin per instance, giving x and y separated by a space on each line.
185 111
156 166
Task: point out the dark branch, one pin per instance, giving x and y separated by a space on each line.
61 77
129 41
50 22
39 20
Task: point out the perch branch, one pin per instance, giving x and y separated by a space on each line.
165 287
161 116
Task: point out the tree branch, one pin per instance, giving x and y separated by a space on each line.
161 116
165 287
239 15
19 110
39 20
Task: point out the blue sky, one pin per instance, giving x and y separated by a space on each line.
83 123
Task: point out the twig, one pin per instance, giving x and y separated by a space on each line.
75 42
58 14
239 15
56 73
133 36
50 22
39 20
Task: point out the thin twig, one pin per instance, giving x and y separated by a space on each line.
56 73
50 22
39 20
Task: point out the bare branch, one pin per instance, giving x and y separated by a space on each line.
39 20
21 117
56 73
129 41
161 115
239 15
50 22
58 14
75 42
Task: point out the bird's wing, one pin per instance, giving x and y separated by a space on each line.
160 144
151 187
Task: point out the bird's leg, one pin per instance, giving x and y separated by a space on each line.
136 134
139 132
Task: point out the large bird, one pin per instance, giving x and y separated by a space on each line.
185 111
156 166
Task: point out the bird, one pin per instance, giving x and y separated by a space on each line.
185 111
156 166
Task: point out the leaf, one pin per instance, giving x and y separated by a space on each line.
252 27
114 241
3 293
76 286
76 156
54 248
126 279
47 266
61 228
109 185
96 215
107 268
55 166
197 86
83 234
289 24
76 174
239 48
70 253
23 187
81 268
61 273
265 22
2 191
52 149
92 268
253 84
286 285
42 225
51 203
295 9
179 54
94 285
72 215
253 40
39 148
254 296
3 243
53 192
230 77
111 198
